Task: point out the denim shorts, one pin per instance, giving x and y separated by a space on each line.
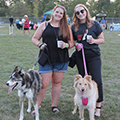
57 67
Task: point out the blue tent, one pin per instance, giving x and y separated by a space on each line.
48 12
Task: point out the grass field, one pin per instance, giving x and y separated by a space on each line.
19 50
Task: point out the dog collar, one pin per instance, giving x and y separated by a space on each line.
85 101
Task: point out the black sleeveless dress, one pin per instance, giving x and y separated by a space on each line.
56 54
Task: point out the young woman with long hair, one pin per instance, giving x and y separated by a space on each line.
57 29
90 34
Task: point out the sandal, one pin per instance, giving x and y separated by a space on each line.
97 115
55 111
33 112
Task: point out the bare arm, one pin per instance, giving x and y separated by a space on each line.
70 41
38 34
98 41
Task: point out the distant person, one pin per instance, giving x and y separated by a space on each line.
26 25
23 20
11 21
43 18
102 20
47 18
35 26
17 24
104 23
68 19
31 25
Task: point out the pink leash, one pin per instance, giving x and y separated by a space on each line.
81 45
84 100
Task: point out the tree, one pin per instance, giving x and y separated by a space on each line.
3 8
20 9
117 8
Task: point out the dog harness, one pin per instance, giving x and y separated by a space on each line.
85 101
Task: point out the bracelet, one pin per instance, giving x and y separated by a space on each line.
40 45
76 44
68 45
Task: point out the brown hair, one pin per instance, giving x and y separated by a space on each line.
76 21
64 27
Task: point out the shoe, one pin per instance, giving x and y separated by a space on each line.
55 111
96 116
33 112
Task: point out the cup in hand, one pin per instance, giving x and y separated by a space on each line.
59 44
88 37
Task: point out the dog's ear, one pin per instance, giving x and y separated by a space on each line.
16 68
77 77
22 72
88 77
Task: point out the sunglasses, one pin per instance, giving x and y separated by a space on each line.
78 12
61 6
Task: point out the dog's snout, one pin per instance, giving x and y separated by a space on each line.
7 84
82 90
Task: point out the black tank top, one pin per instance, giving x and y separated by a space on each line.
49 37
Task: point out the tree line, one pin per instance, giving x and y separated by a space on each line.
36 8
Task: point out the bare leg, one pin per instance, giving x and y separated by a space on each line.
45 82
29 32
97 112
56 87
23 32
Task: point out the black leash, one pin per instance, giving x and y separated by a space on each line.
38 58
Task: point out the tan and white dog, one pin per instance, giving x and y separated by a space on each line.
86 95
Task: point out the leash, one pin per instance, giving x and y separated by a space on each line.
81 45
38 59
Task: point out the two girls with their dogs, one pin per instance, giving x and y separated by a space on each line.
57 29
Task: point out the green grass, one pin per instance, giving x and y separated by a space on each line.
19 50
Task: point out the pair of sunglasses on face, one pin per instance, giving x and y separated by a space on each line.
81 11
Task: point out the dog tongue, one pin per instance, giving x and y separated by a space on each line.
82 93
10 89
85 101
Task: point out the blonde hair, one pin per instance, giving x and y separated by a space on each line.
64 27
76 21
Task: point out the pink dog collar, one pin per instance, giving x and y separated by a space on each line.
85 101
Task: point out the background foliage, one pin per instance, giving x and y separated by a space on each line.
35 8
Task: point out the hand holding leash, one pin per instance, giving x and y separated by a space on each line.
42 46
78 46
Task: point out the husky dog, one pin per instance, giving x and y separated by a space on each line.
86 95
28 85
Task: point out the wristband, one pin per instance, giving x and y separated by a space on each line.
38 44
41 45
76 44
67 45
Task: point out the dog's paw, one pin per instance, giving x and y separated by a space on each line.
73 112
21 118
28 110
82 119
